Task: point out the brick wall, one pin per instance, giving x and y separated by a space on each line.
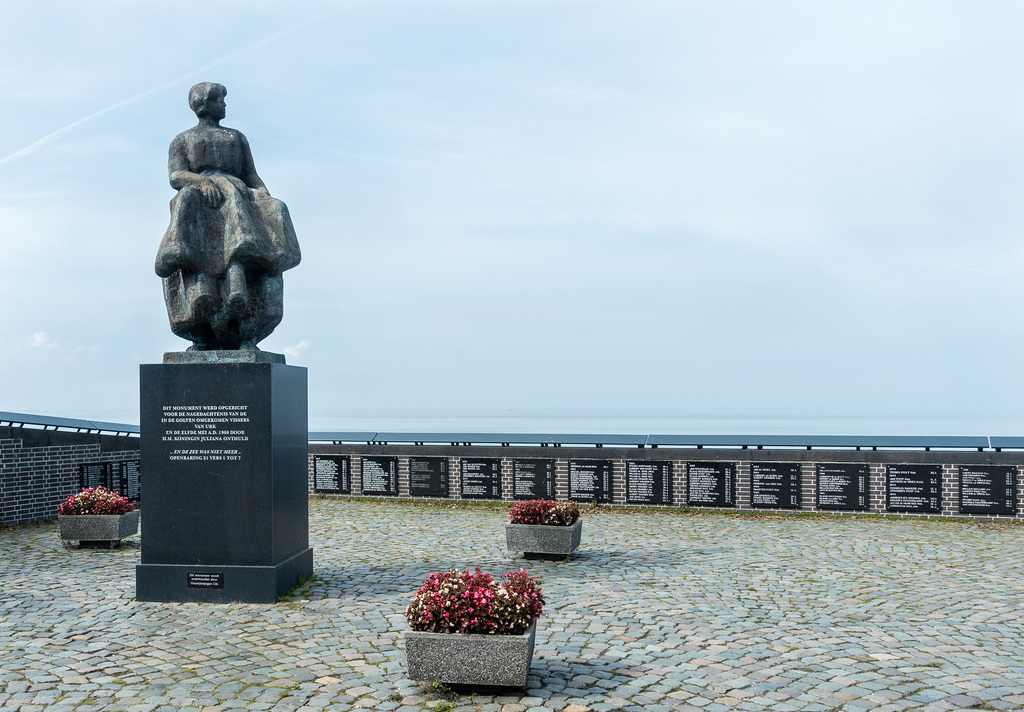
878 463
35 480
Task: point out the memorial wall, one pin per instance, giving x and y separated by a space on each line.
888 482
40 468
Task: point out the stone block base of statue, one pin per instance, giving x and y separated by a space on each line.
224 455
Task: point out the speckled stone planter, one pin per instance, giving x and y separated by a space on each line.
98 527
543 539
501 660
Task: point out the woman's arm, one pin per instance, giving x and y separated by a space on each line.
181 176
249 168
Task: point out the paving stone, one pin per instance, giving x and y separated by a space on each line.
658 611
963 701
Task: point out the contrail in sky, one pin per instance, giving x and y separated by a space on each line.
32 147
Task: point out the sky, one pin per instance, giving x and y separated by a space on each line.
585 215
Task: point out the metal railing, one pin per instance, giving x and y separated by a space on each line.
745 442
45 422
758 442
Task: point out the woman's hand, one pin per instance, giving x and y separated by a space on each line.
211 193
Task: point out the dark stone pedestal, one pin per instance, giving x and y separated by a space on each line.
225 509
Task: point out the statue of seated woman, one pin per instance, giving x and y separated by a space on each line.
222 256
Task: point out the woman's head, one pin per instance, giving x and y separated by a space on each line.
204 93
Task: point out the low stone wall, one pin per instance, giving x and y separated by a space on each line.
981 485
39 468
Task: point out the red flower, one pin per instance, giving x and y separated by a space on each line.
470 602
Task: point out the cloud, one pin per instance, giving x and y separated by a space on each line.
42 347
295 352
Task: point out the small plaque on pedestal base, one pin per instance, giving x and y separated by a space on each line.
221 584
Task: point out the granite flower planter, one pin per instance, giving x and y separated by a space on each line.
470 659
544 539
94 528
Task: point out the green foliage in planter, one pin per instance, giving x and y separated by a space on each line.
545 511
464 602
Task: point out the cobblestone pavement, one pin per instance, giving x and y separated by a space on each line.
658 611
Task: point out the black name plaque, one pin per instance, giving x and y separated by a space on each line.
775 485
129 478
428 476
481 478
649 482
95 474
988 489
533 479
590 480
711 484
843 487
332 474
913 488
380 475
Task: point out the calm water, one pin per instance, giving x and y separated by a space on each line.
512 422
638 424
